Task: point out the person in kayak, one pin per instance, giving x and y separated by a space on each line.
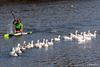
18 26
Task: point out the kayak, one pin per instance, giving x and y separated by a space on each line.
7 36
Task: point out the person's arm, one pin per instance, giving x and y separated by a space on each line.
21 27
13 27
14 21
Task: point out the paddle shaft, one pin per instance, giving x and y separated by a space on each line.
13 15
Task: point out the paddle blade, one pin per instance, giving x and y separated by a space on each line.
6 36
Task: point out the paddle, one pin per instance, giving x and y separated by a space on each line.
13 14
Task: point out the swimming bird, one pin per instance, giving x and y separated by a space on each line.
76 32
18 49
81 40
32 45
29 45
51 42
94 34
13 52
86 34
37 45
57 38
46 44
67 37
24 46
43 42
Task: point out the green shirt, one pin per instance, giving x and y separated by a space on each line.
18 26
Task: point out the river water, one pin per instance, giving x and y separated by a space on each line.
47 20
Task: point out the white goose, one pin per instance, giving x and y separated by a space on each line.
94 34
67 37
42 43
74 36
79 36
18 49
23 48
87 37
46 44
82 37
51 42
18 45
86 34
24 43
37 45
32 45
57 38
82 40
13 52
29 45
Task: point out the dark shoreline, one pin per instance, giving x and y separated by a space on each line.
12 2
26 1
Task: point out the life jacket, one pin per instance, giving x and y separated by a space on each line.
18 26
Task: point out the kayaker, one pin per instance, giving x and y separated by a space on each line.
18 26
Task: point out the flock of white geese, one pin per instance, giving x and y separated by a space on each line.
81 37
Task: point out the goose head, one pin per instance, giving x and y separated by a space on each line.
31 41
76 32
59 36
18 45
88 31
95 32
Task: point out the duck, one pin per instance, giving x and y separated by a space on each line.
57 38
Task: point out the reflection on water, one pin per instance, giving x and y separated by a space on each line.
47 20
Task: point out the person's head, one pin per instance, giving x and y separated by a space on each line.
18 20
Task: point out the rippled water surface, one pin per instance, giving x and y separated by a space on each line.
47 20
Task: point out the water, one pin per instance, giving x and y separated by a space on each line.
48 20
